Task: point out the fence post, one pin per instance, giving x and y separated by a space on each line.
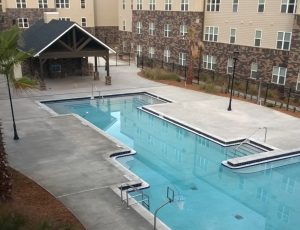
152 63
266 96
162 63
289 96
142 61
198 75
185 72
246 92
228 84
129 58
116 59
173 66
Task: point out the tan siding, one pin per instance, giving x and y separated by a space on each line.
106 12
247 20
125 14
194 5
29 4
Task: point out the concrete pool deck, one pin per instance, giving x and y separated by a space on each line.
68 158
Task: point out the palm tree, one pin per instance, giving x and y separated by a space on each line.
195 49
10 56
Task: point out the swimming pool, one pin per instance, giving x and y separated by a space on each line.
207 195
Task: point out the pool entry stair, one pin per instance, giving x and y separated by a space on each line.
244 149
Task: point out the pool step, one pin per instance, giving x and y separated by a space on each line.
245 149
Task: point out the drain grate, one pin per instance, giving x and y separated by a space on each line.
238 217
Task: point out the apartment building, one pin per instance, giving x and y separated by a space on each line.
93 15
266 33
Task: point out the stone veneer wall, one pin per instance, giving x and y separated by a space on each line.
174 43
108 34
265 59
126 36
294 57
33 15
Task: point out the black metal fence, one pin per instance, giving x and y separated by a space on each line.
265 93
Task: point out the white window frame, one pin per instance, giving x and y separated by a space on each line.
285 6
184 5
82 4
209 62
261 6
21 4
167 30
235 6
211 33
62 4
43 4
167 55
151 4
151 52
283 40
139 50
23 23
213 5
232 36
139 27
253 70
168 5
151 28
230 65
182 58
298 82
278 73
257 39
139 4
83 22
124 25
183 30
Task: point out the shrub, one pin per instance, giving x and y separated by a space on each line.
160 74
209 88
25 82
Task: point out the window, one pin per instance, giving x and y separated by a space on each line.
184 5
261 6
168 5
124 25
83 22
43 3
232 36
23 23
283 213
211 34
151 52
230 66
298 83
278 75
124 4
139 4
209 62
288 6
167 56
183 30
62 3
235 5
151 28
55 68
182 59
254 68
284 40
82 4
258 36
65 19
139 50
21 3
138 27
213 5
167 30
151 4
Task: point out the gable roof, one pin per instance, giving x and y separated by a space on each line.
42 35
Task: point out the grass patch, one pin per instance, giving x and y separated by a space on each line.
160 74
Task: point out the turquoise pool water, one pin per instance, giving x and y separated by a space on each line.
207 195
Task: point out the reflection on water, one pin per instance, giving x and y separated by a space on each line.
208 196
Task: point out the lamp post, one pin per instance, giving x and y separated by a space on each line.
16 137
235 58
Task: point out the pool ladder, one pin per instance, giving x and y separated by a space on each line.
144 198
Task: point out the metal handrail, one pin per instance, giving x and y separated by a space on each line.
145 201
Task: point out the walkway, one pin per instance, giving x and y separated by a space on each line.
69 159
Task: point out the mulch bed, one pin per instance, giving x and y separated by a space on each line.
37 206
